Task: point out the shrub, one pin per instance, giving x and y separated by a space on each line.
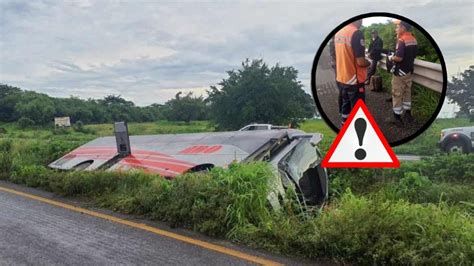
79 127
216 202
232 203
25 122
392 220
420 189
6 160
452 168
61 131
5 165
379 231
41 152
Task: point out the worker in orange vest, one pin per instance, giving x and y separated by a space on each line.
351 66
403 65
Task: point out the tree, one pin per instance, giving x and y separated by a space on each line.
9 97
25 122
119 109
257 93
461 91
186 108
37 107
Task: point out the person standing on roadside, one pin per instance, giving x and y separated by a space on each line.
351 66
404 60
375 50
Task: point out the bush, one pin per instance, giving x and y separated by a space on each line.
371 231
393 232
6 160
216 202
61 131
451 168
25 122
30 175
420 189
392 221
424 99
79 127
40 152
457 168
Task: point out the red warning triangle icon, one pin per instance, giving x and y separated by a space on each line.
360 143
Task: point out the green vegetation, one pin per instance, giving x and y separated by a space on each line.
31 108
421 213
186 108
255 93
461 92
425 143
160 127
260 94
424 99
387 33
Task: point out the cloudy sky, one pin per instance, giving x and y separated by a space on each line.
147 51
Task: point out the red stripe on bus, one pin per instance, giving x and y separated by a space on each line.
161 159
213 149
158 170
163 165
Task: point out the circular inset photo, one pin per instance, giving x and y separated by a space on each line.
388 61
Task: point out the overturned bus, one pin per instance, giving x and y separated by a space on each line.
292 153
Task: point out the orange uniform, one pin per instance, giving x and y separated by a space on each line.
350 78
349 44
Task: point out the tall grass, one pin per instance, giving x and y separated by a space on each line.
6 160
420 213
160 127
424 99
216 202
448 179
379 228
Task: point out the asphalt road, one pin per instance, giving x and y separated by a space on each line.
34 232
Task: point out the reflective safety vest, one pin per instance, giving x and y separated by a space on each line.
347 70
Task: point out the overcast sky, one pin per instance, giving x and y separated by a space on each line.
147 51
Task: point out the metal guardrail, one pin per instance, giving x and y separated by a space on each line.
425 73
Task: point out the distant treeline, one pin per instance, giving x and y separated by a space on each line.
34 108
255 93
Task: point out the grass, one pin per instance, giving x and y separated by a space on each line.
365 229
161 127
424 100
425 144
421 213
99 130
319 126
